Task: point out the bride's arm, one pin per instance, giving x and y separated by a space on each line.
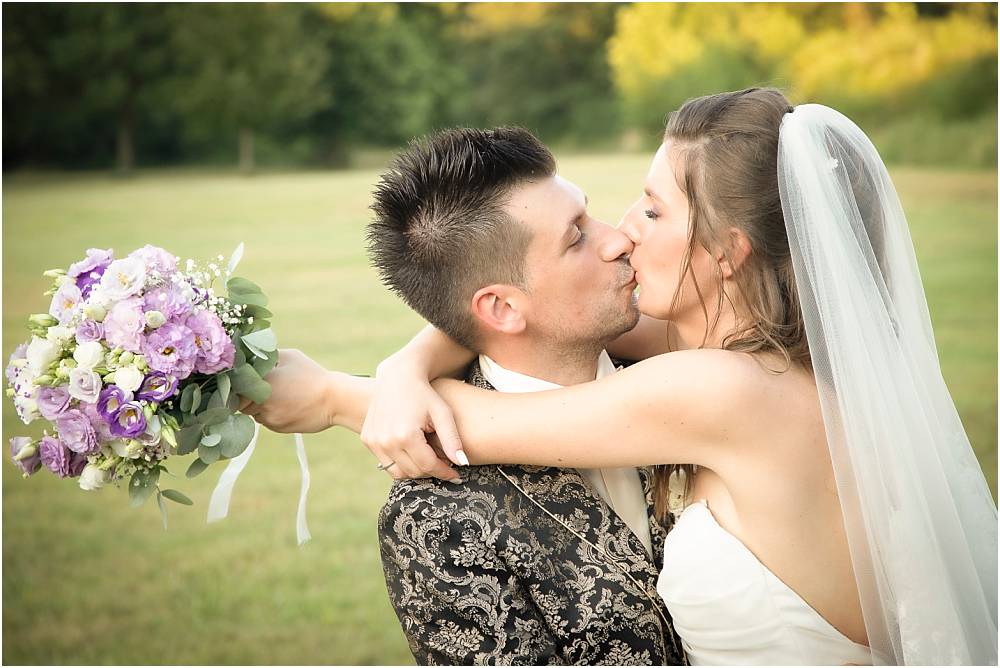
676 408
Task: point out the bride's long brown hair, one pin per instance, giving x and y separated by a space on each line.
727 148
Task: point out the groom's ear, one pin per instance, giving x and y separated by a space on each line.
737 249
498 308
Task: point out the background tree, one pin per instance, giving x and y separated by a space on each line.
246 69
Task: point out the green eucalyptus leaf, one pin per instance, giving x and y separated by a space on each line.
141 486
257 352
216 400
234 402
264 366
187 397
188 439
224 385
240 358
264 339
256 299
257 312
239 285
211 440
163 509
208 455
177 497
248 383
212 416
196 399
197 466
236 432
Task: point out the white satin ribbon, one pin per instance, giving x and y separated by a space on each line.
218 506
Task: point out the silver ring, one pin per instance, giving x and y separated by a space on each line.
385 467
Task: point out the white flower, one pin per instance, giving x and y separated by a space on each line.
84 385
41 353
60 334
26 406
128 449
89 354
123 278
128 378
832 164
93 478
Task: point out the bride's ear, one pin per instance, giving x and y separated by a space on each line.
498 308
734 252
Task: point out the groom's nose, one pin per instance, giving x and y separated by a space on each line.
613 244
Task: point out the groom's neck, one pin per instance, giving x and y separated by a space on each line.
562 365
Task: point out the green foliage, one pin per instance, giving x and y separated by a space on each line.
285 84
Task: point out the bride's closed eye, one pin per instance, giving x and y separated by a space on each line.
652 215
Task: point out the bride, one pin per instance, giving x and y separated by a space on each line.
834 512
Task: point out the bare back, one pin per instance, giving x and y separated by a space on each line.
778 496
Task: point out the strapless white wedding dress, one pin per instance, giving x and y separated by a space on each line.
729 609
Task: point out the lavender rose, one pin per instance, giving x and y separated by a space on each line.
157 386
171 349
215 349
64 301
123 278
98 422
55 456
168 301
156 259
129 420
96 258
53 401
124 324
77 433
84 385
29 461
89 330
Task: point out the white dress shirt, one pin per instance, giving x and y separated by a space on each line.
619 487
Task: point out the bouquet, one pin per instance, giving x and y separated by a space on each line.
136 361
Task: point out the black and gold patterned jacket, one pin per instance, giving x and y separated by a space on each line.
522 565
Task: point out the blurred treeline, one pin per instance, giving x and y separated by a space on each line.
96 85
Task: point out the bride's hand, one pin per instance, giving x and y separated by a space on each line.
301 393
404 413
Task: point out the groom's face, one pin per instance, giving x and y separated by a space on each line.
580 285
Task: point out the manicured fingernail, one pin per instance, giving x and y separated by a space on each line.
462 459
457 481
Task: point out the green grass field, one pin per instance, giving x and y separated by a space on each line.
87 580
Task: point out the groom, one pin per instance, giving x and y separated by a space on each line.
524 565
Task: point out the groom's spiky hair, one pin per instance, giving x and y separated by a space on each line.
440 231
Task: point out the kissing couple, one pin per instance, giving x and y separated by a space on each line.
755 461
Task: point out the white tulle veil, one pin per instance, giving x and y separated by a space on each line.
920 520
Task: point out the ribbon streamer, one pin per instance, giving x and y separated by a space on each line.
218 506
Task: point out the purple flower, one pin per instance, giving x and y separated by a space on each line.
77 462
157 386
96 259
215 349
77 433
156 259
98 421
171 349
124 324
55 456
89 330
63 302
13 371
168 301
30 464
53 401
129 420
111 399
